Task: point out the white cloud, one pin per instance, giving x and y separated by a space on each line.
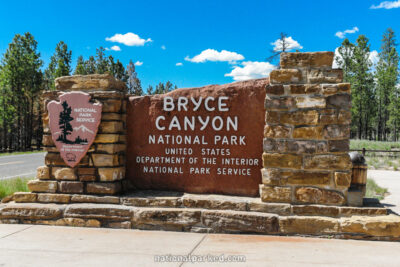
342 34
374 57
214 55
290 44
335 65
251 70
138 63
114 48
387 5
163 47
179 64
129 39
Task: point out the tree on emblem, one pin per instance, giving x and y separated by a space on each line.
64 123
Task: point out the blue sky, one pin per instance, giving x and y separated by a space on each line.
244 29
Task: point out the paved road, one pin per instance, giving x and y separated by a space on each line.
25 245
390 180
20 165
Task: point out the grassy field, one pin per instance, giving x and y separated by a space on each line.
21 153
379 160
374 145
9 186
374 190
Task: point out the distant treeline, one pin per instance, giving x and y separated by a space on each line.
375 88
22 80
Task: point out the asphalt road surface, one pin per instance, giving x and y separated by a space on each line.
20 165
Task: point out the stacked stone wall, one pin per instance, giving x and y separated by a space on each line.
102 169
306 135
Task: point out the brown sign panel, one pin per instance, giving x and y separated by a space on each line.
73 124
199 140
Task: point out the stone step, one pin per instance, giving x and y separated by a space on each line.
215 202
382 227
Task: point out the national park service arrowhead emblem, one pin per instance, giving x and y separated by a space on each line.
73 124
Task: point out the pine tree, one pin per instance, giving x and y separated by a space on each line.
80 66
116 69
386 76
283 47
362 88
90 65
150 90
132 81
64 123
21 81
101 61
60 64
345 59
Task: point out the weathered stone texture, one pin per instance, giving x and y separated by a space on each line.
31 211
285 76
43 173
89 82
314 195
315 225
42 186
65 174
307 60
240 222
21 197
71 187
306 136
111 174
275 193
103 188
53 198
165 219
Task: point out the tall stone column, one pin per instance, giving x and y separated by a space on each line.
307 131
102 169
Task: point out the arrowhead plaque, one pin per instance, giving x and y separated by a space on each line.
73 124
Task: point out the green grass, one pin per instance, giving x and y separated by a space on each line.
379 160
21 153
373 145
9 186
374 190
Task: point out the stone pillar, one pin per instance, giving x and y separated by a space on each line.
102 169
307 131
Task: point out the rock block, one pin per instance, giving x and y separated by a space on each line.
314 195
99 211
275 194
285 76
89 82
21 197
70 187
43 173
65 174
42 186
282 160
307 60
31 211
310 225
111 174
240 221
53 198
103 188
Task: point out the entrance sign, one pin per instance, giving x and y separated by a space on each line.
202 140
73 124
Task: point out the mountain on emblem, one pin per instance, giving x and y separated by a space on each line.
83 129
73 123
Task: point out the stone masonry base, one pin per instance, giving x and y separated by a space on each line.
156 210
